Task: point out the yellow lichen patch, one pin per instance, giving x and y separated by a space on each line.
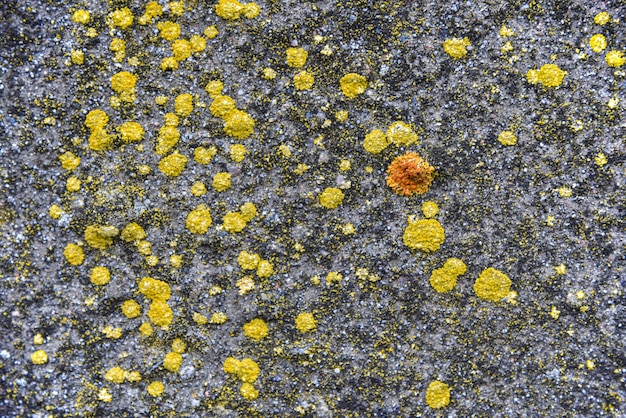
169 30
100 140
602 18
111 332
131 309
198 189
615 59
143 247
172 361
81 16
218 318
55 212
341 116
160 313
303 80
248 391
401 134
146 329
265 269
597 42
251 10
456 47
256 329
100 236
507 138
424 234
305 322
154 289
348 229
233 222
600 160
118 46
39 357
132 377
96 119
561 269
131 132
198 43
296 57
204 155
183 104
231 365
173 164
248 261
214 88
333 277
549 75
211 32
153 9
69 161
199 220
176 8
237 152
444 279
238 124
115 375
181 49
245 284
248 370
77 57
492 285
38 339
167 139
133 232
353 84
331 198
221 181
269 74
221 106
104 395
123 82
169 63
430 209
171 120
100 276
72 184
200 319
229 9
176 260
74 254
155 389
564 191
179 346
438 394
375 141
248 211
506 32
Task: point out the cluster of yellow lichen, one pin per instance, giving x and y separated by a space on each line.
247 371
398 133
237 123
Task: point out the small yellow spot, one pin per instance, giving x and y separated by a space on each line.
438 395
303 80
199 319
104 395
155 389
375 142
300 169
331 198
401 134
172 361
176 8
169 63
131 309
81 16
348 229
221 181
176 260
72 184
133 232
179 346
115 375
269 74
344 165
507 138
602 18
456 47
132 376
173 164
143 169
77 57
613 102
561 269
146 329
305 322
296 57
564 191
248 391
211 32
233 222
352 85
591 365
204 155
38 339
39 357
99 236
198 189
251 10
615 59
333 277
316 280
248 261
506 32
507 47
492 285
597 42
154 289
601 160
218 318
341 116
183 104
424 234
265 269
256 329
74 254
554 313
69 161
111 332
430 209
580 295
100 276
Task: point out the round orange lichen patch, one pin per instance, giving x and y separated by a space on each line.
409 174
492 285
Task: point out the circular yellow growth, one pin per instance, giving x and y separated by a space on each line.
96 119
131 132
123 82
430 209
100 140
615 59
296 57
221 181
438 394
74 254
238 124
199 220
100 276
115 375
179 346
131 309
303 80
154 289
133 232
173 164
331 198
39 357
231 365
69 161
81 16
183 104
121 18
492 285
251 10
198 189
100 237
602 18
221 106
353 84
181 49
160 313
155 389
211 32
456 47
256 329
72 184
229 9
248 370
334 277
172 361
77 57
401 134
214 88
248 211
444 279
305 322
375 141
550 75
132 376
425 234
169 63
237 153
169 30
248 261
55 211
248 392
507 138
204 155
234 222
597 42
265 269
198 43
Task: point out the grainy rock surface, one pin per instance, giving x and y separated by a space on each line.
548 212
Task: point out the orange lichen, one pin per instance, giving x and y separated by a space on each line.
409 174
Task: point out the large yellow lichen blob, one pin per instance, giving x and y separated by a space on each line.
133 232
199 220
615 59
131 132
492 285
123 82
375 141
296 57
549 75
438 395
331 198
444 278
172 361
160 313
353 84
456 47
100 236
238 124
305 322
507 138
173 164
74 254
597 42
401 134
100 276
256 329
424 234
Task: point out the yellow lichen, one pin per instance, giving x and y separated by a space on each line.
69 161
171 120
169 63
492 285
430 209
154 289
248 211
55 211
251 10
331 198
172 361
96 119
198 189
100 140
169 30
133 232
121 18
199 220
456 47
115 375
176 8
100 276
204 155
237 152
183 104
100 236
181 49
238 124
214 88
173 164
375 141
39 357
131 132
112 332
333 277
229 9
438 394
296 57
424 234
248 261
303 80
218 318
305 322
74 254
549 75
269 74
167 139
160 313
265 269
199 319
256 329
198 43
221 106
176 260
444 278
179 346
72 184
352 85
146 329
248 391
615 59
233 222
155 389
602 18
77 57
123 82
211 32
81 16
221 181
131 309
401 134
507 138
597 42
